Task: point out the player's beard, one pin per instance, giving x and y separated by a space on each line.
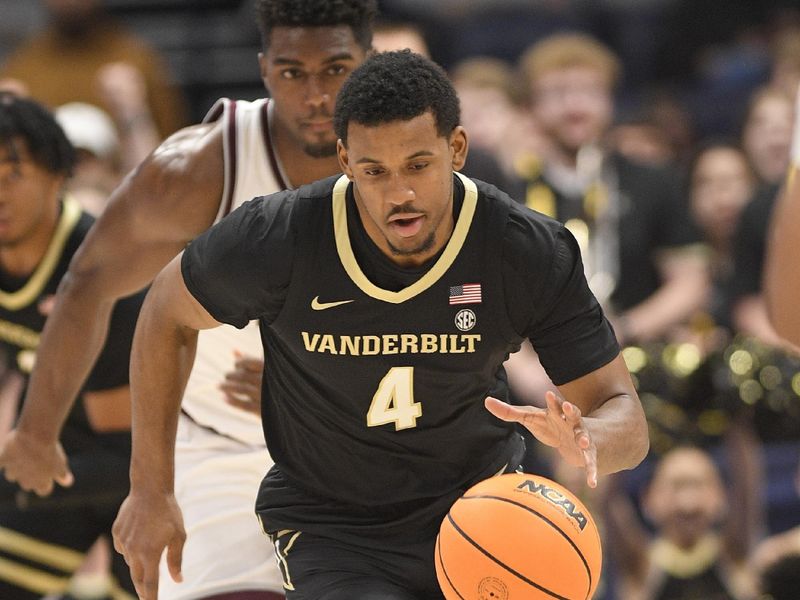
426 245
320 150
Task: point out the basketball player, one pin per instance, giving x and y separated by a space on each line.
43 542
388 300
782 279
195 177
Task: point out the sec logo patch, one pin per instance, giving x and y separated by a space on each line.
465 319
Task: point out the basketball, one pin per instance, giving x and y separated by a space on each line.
518 537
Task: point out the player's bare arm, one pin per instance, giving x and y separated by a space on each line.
598 425
782 278
169 199
162 357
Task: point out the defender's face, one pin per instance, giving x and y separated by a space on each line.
28 196
303 69
403 176
573 106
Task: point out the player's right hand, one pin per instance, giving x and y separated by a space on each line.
147 523
33 463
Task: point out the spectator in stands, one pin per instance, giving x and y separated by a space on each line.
777 562
703 532
399 35
785 73
767 133
494 110
721 183
642 140
766 137
97 166
62 64
643 256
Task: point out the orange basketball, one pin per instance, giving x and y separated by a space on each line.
518 537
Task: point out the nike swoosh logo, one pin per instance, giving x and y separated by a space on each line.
317 305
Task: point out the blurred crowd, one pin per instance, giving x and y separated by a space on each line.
659 132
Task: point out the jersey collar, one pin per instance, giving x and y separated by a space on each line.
445 260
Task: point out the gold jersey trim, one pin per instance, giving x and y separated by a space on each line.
685 564
70 214
453 247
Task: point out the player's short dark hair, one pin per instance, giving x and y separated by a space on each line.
358 14
27 120
396 86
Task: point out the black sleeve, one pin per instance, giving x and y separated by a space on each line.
550 302
239 269
111 369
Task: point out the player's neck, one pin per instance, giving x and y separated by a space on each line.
297 165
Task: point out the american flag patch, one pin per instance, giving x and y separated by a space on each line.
468 293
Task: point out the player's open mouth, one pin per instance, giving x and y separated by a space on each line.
406 226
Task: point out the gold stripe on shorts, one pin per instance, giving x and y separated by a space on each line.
52 555
31 579
282 553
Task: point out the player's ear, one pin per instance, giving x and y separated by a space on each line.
459 145
262 67
344 159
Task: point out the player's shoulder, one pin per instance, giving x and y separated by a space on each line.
190 161
229 110
186 160
320 189
525 232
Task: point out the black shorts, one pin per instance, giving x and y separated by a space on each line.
321 568
43 540
368 558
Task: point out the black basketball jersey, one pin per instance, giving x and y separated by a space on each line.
23 300
374 396
24 306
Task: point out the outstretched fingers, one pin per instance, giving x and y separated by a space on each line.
523 415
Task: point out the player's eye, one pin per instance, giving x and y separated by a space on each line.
335 70
291 73
11 173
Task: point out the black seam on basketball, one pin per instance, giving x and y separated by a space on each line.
444 571
502 564
546 520
549 522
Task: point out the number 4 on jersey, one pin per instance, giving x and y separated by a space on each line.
394 401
